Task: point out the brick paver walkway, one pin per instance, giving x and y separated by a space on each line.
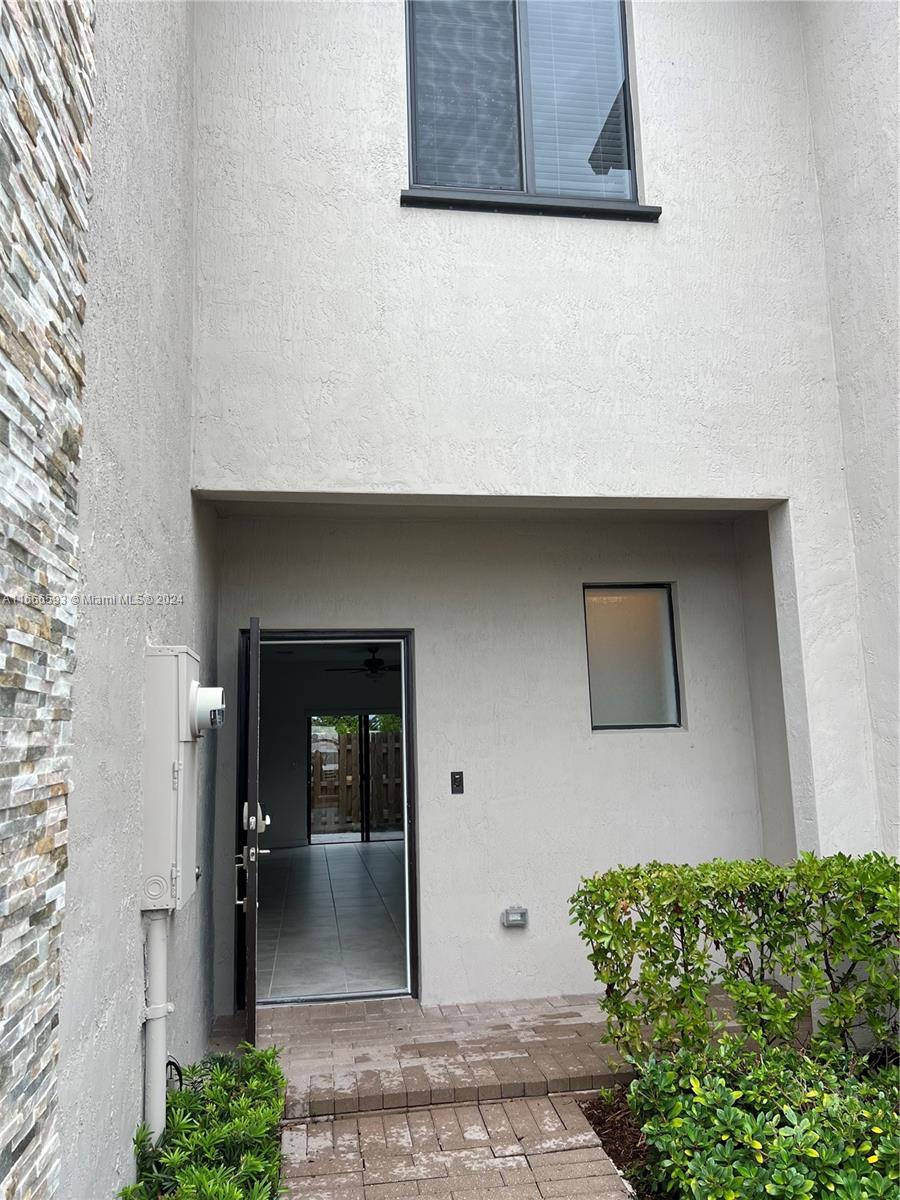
366 1055
389 1100
522 1149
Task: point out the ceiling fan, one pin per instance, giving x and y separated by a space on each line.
373 666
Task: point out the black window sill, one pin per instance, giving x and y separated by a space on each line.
520 202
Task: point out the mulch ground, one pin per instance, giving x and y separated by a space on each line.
613 1122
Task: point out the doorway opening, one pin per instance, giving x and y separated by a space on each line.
336 875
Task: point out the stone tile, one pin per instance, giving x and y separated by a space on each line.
545 1172
585 1154
400 1171
453 1101
323 1165
462 1181
446 1126
293 1143
526 1191
371 1135
522 1120
392 1191
393 1089
486 1081
346 1136
397 1136
421 1128
417 1084
503 1139
471 1124
321 1095
329 1190
406 1055
545 1116
327 1187
346 1097
319 1137
600 1187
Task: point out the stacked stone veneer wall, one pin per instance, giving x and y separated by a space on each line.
45 115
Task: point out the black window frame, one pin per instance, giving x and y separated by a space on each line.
524 201
657 585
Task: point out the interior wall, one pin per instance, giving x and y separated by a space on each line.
141 536
501 692
291 691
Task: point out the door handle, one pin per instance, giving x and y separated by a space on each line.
240 863
261 821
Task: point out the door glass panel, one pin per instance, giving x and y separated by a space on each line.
334 779
385 776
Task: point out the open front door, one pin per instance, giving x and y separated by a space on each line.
249 819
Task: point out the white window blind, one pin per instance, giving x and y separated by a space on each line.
576 70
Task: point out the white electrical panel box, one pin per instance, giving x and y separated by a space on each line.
169 872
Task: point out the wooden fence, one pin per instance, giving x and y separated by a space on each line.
335 793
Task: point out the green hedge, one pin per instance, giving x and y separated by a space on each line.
733 1124
222 1133
779 941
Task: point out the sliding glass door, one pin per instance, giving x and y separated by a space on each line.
356 777
384 794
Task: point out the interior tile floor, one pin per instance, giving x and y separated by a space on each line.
332 921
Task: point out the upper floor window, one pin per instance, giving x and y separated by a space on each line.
527 97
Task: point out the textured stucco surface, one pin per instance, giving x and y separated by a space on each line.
139 535
501 693
345 344
773 772
851 71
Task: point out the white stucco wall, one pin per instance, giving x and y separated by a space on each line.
851 70
760 630
344 344
501 693
139 533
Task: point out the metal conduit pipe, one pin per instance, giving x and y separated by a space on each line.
157 1009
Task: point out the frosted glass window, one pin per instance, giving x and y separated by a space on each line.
631 657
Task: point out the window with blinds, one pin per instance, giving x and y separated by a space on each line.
526 96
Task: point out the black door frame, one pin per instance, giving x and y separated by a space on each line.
407 638
246 832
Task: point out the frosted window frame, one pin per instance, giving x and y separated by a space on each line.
668 588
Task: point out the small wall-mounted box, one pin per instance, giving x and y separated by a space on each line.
514 917
176 711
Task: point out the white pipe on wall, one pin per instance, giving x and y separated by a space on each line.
157 1009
